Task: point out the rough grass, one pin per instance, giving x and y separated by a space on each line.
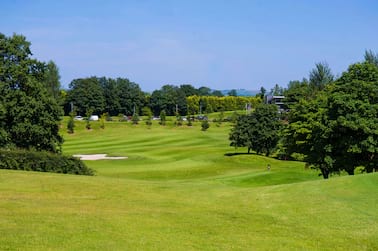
179 191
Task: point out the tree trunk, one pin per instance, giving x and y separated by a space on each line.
249 150
325 172
350 171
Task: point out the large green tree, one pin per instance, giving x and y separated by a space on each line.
257 131
338 130
29 115
86 94
131 98
111 95
169 98
52 80
353 118
189 90
306 136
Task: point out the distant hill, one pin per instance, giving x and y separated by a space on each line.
242 92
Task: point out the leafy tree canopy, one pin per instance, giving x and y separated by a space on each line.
29 115
371 57
52 80
320 76
86 94
338 130
257 131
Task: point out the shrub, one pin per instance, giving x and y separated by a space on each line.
162 118
71 124
205 125
102 120
148 122
189 120
42 162
178 120
88 122
135 119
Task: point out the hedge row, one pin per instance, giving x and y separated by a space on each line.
42 162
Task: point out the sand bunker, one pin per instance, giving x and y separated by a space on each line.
96 157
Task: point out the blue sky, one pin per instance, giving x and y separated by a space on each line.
215 43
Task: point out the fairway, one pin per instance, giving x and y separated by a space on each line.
183 189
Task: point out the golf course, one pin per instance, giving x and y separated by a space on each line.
181 188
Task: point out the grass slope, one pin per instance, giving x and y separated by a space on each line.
178 153
178 191
61 212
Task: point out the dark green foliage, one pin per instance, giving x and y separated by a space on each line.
338 130
162 118
52 81
307 134
220 118
262 93
277 90
204 91
320 76
371 57
353 118
121 96
42 162
205 125
29 116
146 111
71 123
170 98
189 121
103 118
88 114
135 119
130 96
217 93
189 90
232 93
86 94
149 122
178 120
296 91
257 131
3 133
111 95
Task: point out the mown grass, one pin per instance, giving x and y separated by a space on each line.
178 190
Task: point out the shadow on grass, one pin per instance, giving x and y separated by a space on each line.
262 155
235 154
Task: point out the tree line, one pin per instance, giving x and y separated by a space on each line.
121 96
331 123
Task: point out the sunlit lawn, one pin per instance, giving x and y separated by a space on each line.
183 189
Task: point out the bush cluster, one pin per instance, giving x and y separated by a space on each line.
42 162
